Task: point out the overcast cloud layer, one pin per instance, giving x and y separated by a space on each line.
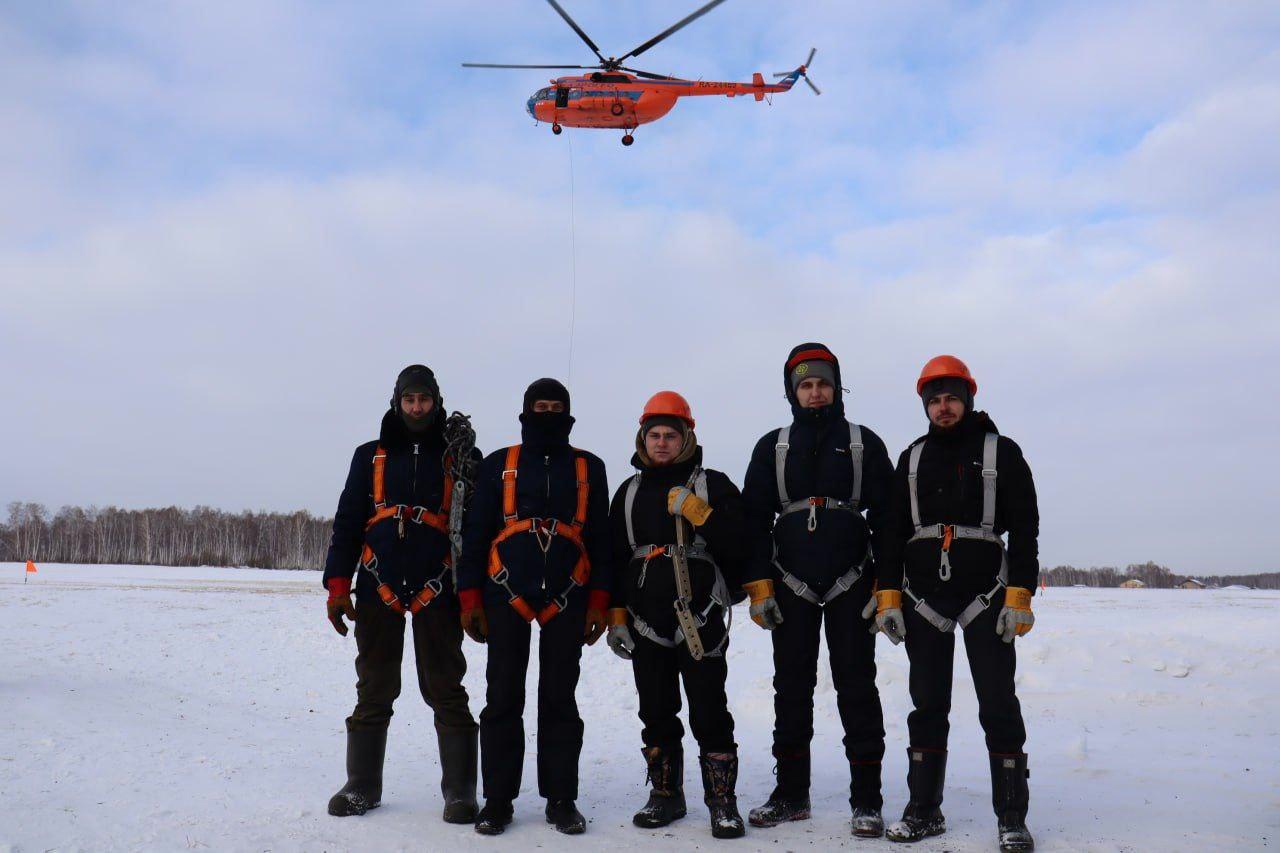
225 228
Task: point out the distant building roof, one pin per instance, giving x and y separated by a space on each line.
1190 583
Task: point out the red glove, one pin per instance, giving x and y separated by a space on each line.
597 621
339 604
474 622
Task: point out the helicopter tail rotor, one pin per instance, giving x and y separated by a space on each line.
801 73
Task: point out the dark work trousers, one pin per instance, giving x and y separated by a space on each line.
991 661
437 647
502 720
658 671
852 651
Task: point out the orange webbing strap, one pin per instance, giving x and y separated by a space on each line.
584 490
369 561
379 478
509 484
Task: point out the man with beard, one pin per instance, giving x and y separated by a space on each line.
678 534
956 491
535 548
392 525
805 491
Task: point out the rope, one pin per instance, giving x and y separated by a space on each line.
573 261
460 440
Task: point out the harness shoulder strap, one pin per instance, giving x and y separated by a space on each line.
509 484
780 463
379 478
584 490
699 484
989 446
628 504
855 456
913 473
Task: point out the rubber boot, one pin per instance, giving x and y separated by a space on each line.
1010 798
495 817
719 783
458 751
566 817
365 751
666 797
790 798
926 775
865 799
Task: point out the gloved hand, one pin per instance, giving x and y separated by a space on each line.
764 606
597 604
681 501
869 611
620 639
339 604
1015 617
889 618
474 622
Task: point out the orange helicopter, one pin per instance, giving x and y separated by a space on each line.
615 96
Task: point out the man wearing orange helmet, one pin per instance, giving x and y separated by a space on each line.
535 548
806 490
957 490
678 539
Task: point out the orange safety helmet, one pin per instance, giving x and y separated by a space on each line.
670 404
945 367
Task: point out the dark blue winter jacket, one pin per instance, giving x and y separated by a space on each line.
414 475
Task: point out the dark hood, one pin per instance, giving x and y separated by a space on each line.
545 429
973 422
394 435
676 474
815 416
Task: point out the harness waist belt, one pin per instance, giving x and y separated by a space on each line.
842 584
696 551
805 504
959 531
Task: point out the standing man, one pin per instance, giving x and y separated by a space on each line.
957 490
536 548
392 525
678 529
806 490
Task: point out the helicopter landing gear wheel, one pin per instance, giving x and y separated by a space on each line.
627 139
557 129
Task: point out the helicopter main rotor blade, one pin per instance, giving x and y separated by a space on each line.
669 30
495 65
648 74
577 29
815 89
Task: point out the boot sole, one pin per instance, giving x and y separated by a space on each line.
659 825
867 833
573 829
765 824
489 829
914 838
352 811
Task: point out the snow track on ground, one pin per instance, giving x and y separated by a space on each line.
177 708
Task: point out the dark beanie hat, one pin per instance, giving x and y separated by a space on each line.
947 385
672 421
415 378
545 389
814 368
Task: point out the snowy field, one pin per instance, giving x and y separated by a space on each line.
167 709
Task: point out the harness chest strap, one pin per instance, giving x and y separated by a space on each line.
416 515
543 529
856 453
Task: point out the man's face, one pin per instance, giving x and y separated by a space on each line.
815 392
945 410
416 404
541 406
663 444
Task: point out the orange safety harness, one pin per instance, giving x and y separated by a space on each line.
401 513
543 529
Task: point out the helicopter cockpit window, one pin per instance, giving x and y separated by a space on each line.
543 94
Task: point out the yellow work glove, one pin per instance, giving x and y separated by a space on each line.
1015 617
681 501
889 618
764 606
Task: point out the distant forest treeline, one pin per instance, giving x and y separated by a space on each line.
271 540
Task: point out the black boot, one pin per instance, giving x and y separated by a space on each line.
926 773
865 799
666 798
458 749
363 791
494 817
719 781
566 817
790 798
1010 798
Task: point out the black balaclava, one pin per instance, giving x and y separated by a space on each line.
789 382
545 429
948 385
417 378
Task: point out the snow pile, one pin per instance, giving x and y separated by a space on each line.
159 708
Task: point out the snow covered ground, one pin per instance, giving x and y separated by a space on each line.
170 709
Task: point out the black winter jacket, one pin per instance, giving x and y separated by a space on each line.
650 591
950 492
414 475
818 465
546 487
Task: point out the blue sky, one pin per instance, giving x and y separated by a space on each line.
226 227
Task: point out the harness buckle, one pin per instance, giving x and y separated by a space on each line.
944 567
435 585
501 577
